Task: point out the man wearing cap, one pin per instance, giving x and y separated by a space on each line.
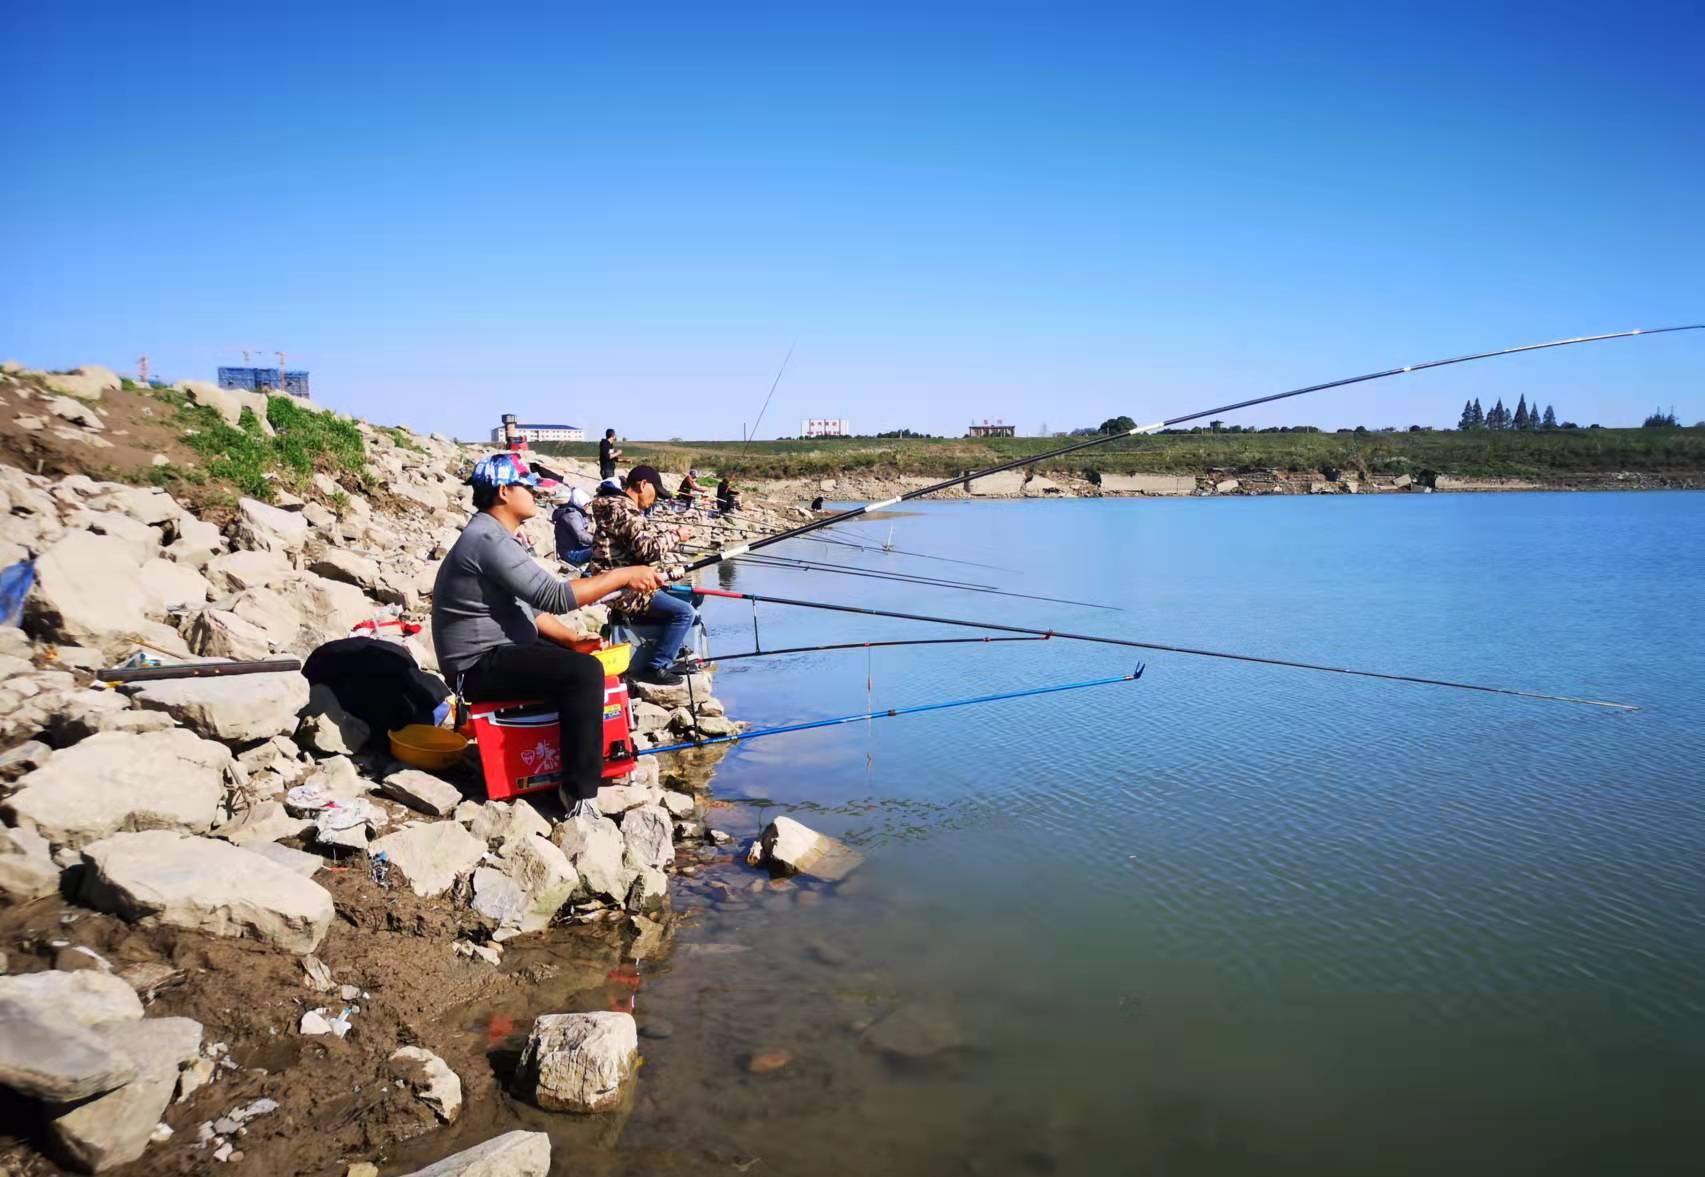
494 624
624 536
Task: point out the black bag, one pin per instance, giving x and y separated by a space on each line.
376 681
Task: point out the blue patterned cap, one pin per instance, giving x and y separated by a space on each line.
502 470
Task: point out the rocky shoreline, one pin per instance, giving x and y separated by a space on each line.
1018 484
232 925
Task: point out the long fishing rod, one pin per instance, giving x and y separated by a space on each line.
773 385
907 578
685 592
890 713
685 665
1156 427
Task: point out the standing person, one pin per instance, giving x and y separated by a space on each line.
608 452
495 629
624 537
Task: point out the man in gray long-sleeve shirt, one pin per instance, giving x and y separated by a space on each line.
494 628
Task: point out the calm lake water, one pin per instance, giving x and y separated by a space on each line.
1231 919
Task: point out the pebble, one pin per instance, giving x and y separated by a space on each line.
763 1062
363 1169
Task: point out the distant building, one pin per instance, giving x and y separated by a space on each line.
826 427
264 380
995 430
525 432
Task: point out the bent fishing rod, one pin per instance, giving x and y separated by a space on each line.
890 713
1155 427
685 593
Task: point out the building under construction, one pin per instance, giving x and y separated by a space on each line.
295 381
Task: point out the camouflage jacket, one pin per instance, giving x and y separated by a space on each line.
625 536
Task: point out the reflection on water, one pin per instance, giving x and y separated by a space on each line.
1228 920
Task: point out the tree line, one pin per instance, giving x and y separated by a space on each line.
1498 417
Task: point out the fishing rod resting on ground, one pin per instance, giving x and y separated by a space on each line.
890 712
1156 427
685 592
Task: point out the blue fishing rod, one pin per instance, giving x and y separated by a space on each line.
890 712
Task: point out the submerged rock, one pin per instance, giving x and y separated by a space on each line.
788 847
514 1154
579 1062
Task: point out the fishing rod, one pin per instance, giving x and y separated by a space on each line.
908 578
685 592
686 665
890 713
774 384
1156 427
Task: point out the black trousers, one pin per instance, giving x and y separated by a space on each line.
572 683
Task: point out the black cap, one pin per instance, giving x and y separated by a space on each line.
649 474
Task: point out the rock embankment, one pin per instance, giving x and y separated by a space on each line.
242 848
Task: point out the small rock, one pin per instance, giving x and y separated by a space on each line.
763 1062
788 847
431 1079
422 791
514 1154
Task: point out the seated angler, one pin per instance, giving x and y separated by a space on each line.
625 536
495 629
573 525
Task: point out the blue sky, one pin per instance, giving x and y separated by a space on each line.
623 215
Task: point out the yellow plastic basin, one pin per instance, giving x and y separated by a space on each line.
425 746
615 659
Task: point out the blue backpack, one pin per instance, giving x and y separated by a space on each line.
15 584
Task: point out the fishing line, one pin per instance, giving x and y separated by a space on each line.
1170 649
789 562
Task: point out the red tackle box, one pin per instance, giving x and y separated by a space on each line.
520 742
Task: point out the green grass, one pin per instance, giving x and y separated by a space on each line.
403 438
1480 453
304 442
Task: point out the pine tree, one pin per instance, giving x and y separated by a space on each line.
1550 421
1467 420
1499 417
1479 415
1521 413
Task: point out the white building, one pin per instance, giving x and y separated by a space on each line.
541 433
826 427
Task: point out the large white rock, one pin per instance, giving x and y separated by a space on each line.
116 1128
347 567
89 589
594 846
194 542
787 847
579 1062
238 709
514 1154
206 886
235 571
502 821
88 382
47 1054
261 527
210 395
432 856
273 610
267 821
143 540
422 791
329 609
87 997
113 781
545 878
167 585
649 836
615 800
